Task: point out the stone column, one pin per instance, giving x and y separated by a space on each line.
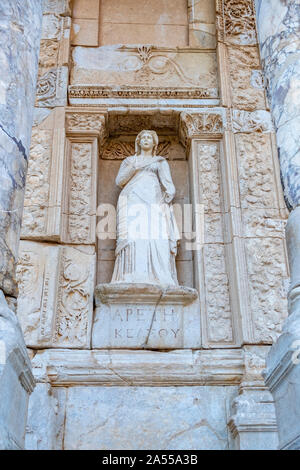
278 23
20 27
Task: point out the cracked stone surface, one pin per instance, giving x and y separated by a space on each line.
20 24
152 418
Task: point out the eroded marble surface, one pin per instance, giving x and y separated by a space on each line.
20 25
151 417
278 24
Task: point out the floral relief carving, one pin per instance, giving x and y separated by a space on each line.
219 317
73 303
267 275
80 192
48 54
236 21
55 302
85 122
243 65
209 177
37 183
216 283
46 86
256 173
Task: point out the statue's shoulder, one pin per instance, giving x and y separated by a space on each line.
129 159
159 158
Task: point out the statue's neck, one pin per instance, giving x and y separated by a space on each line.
146 153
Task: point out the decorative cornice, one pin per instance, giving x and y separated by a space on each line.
139 368
95 91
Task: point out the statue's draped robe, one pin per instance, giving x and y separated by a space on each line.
145 255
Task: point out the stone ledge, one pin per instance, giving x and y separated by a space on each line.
146 293
138 368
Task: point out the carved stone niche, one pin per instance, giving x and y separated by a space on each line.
123 128
190 142
144 316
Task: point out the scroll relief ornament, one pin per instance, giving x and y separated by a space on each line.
236 21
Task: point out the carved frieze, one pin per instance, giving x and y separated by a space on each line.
143 72
55 302
93 92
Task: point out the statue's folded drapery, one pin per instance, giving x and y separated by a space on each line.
147 232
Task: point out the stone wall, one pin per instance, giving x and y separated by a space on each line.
193 75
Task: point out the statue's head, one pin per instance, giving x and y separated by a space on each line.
143 141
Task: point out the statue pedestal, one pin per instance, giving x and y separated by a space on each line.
146 316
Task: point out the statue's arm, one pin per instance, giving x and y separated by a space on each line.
126 172
165 177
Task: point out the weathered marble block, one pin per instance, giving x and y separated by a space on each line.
146 316
16 380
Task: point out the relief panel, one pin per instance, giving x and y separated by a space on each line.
210 258
247 87
268 284
55 303
36 200
260 191
80 194
127 68
236 21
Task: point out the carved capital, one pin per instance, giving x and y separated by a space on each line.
86 123
199 125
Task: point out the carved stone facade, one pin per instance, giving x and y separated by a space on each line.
199 86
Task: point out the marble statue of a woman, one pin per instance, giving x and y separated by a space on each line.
147 233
